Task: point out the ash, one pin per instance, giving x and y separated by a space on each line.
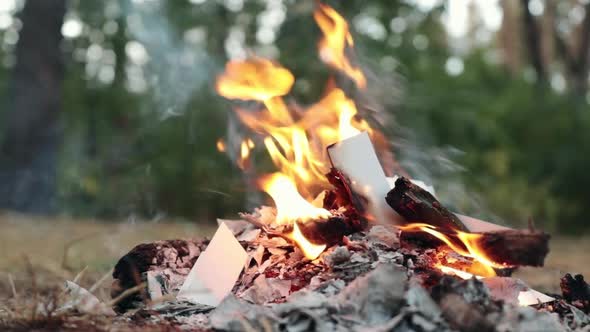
369 282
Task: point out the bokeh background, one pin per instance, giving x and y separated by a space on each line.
108 109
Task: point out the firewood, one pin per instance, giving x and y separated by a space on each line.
418 205
508 248
576 291
329 231
515 247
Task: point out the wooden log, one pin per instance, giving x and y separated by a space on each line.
508 247
514 247
418 205
330 231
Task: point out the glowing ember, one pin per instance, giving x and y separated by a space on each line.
467 246
220 145
459 273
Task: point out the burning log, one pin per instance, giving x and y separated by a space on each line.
418 205
514 247
505 247
329 231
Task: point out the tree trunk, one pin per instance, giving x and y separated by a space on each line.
28 152
533 40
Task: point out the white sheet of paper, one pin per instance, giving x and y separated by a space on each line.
216 271
356 158
531 297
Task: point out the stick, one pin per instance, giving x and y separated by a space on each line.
100 281
126 293
515 247
12 286
418 205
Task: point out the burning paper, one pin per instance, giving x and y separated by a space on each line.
216 271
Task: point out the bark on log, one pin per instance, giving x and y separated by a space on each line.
515 247
418 205
510 247
329 231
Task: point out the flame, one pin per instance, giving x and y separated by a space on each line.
310 250
244 159
296 139
466 246
292 208
290 205
220 145
337 39
459 273
255 79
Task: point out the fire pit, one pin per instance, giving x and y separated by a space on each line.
345 247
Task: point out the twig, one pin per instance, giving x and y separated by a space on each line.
246 325
12 286
31 272
100 281
266 325
64 260
126 293
79 275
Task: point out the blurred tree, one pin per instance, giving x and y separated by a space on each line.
568 31
28 152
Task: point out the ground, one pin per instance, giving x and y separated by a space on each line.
37 256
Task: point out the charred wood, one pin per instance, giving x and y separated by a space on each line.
176 256
515 247
418 205
330 231
576 291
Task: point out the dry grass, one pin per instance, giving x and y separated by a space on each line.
36 256
566 255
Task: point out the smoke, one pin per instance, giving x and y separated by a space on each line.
414 154
169 66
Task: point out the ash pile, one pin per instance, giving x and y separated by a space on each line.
374 278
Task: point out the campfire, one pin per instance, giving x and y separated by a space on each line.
343 245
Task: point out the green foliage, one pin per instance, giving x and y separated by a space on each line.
523 147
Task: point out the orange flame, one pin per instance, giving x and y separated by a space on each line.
290 205
292 208
468 247
310 250
296 140
337 39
